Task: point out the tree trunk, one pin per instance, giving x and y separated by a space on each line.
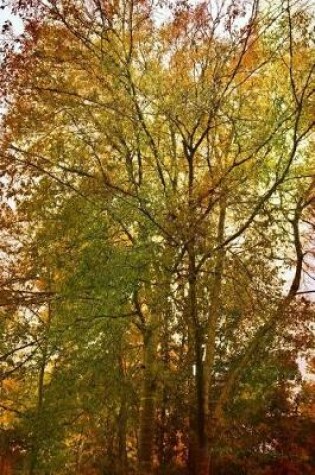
164 451
122 423
40 401
205 354
6 464
148 403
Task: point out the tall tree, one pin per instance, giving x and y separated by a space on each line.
162 159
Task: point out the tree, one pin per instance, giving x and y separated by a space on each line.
171 162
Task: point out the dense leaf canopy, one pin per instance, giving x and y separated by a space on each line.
157 186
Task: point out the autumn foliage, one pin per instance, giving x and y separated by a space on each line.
157 238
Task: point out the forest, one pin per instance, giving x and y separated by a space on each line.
157 239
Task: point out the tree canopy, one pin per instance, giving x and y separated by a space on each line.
157 239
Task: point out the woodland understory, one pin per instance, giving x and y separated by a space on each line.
157 206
